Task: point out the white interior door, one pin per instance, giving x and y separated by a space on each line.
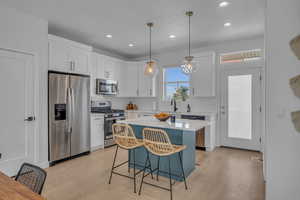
241 108
17 110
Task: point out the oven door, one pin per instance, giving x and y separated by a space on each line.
108 135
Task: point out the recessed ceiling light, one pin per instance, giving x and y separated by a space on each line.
108 36
172 36
130 45
227 24
223 4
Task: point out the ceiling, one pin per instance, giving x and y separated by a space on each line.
88 21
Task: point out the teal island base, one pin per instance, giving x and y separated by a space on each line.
178 137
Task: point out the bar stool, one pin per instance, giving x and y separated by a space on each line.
157 142
125 138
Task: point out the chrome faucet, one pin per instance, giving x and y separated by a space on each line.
173 103
188 108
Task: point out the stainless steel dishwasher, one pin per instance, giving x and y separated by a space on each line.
200 134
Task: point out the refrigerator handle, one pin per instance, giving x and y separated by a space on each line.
69 111
72 105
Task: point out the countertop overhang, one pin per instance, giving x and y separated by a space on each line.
179 124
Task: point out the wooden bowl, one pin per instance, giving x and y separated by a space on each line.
162 118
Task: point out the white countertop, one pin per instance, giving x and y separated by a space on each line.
180 124
179 113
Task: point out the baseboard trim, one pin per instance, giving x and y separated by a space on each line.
68 158
43 165
97 148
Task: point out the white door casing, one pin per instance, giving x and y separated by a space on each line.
241 113
17 130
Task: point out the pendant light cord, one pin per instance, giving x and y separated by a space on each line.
189 35
150 43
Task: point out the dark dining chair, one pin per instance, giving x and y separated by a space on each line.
32 176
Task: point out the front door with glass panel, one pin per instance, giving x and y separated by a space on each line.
241 108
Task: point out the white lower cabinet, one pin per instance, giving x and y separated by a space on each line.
97 131
131 115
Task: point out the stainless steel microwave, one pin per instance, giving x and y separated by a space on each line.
106 87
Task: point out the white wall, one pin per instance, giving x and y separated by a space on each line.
21 32
283 142
176 57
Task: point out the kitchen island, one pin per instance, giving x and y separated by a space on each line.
182 132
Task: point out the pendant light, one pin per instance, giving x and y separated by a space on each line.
188 67
150 65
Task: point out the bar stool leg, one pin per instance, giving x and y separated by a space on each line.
181 165
157 168
112 168
129 159
140 190
171 193
150 164
134 175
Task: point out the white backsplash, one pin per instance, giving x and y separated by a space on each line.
117 103
197 104
147 104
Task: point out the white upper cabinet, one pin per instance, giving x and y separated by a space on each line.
130 76
128 81
104 67
68 56
109 67
81 59
97 68
203 79
146 84
59 56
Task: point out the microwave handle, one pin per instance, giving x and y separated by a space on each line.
117 88
97 87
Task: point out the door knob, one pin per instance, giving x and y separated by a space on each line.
30 119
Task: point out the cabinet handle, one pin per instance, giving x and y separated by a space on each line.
150 92
71 66
193 91
74 66
137 92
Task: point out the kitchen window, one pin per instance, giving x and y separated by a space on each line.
176 84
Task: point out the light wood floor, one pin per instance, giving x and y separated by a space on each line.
225 174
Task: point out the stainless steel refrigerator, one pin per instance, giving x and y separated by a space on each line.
69 115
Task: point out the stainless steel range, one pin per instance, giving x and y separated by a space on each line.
110 117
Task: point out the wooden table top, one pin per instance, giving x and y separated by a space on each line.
12 190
